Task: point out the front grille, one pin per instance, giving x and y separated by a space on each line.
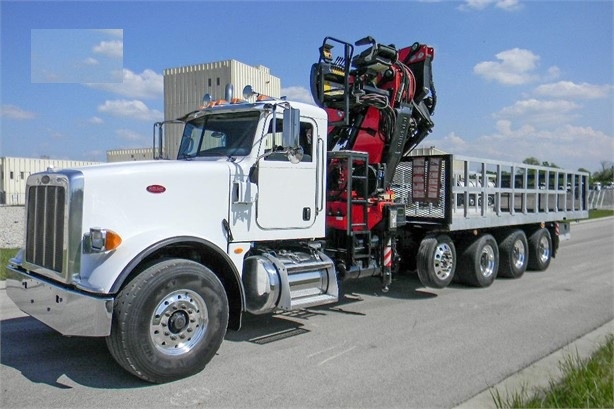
45 226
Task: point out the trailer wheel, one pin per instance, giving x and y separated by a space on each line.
436 261
513 255
540 250
169 321
479 262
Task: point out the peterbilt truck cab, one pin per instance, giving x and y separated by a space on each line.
160 257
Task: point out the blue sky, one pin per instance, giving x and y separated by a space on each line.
514 78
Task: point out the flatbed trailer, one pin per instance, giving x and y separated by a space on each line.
470 220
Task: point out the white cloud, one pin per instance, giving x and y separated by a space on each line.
14 112
475 4
507 5
113 49
515 67
568 89
540 112
95 120
553 73
296 93
131 109
449 143
567 146
536 128
91 61
148 84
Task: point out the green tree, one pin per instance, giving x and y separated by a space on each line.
548 164
531 161
606 174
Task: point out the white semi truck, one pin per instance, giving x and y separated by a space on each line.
271 205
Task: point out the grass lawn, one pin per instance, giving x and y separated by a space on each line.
597 213
585 384
5 255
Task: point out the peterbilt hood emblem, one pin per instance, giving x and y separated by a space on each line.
156 189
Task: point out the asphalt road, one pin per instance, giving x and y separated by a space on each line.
412 347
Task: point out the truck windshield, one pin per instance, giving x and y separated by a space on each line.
219 134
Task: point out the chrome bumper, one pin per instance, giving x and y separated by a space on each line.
67 311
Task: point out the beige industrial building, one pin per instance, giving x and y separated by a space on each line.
15 171
128 155
184 88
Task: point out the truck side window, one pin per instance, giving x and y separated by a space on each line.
306 140
273 141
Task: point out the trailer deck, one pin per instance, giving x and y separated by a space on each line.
460 193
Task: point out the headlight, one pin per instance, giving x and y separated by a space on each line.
100 240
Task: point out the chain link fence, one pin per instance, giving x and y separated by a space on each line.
601 199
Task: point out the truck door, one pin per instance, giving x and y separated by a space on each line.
287 192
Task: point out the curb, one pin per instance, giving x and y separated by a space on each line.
538 375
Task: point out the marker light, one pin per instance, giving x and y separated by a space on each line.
262 97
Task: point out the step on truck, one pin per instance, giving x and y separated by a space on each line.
271 205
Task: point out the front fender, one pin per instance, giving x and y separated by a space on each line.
199 250
158 249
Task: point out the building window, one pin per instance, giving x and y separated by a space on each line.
11 175
218 81
209 81
21 175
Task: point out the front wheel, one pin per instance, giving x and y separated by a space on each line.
169 321
436 261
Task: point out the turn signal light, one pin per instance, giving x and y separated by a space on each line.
113 240
100 240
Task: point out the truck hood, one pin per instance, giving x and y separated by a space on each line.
128 192
148 203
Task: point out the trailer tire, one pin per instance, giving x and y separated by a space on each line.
169 321
513 252
540 250
436 261
479 262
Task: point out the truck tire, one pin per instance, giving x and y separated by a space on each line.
479 262
436 263
169 321
540 250
513 254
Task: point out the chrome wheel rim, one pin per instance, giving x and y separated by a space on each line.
443 261
179 322
519 254
543 249
487 261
